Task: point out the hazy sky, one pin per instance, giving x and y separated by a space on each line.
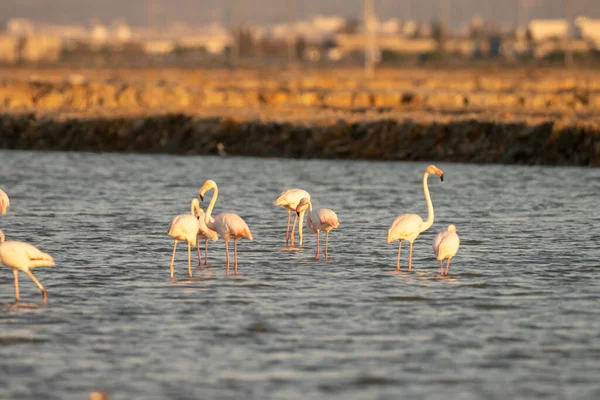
136 12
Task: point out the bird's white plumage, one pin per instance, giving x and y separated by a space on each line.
446 243
322 219
405 227
4 202
290 198
185 227
231 226
23 256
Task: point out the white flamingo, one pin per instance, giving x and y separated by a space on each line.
20 256
289 199
228 225
4 202
204 233
445 245
185 227
409 226
321 219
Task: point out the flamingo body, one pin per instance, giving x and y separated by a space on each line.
445 246
289 199
186 227
4 202
319 220
20 256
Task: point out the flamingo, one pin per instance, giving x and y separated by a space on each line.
445 245
228 225
409 226
289 199
321 219
20 256
4 202
185 227
205 233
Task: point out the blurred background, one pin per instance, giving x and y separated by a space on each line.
272 32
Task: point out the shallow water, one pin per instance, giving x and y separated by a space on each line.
518 316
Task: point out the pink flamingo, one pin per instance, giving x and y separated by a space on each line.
204 233
289 199
186 227
409 226
20 256
4 202
445 245
321 219
228 225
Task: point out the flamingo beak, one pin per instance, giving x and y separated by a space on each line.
201 197
442 177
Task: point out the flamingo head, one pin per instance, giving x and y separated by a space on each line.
451 228
302 205
195 208
209 184
1 236
432 169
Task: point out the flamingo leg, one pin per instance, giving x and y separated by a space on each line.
441 269
28 272
206 252
173 257
294 228
287 231
199 255
326 244
16 273
398 259
227 256
190 259
235 256
447 266
317 253
410 258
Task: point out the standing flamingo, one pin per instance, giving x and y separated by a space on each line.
289 199
21 256
228 225
321 219
185 227
409 226
445 245
4 202
204 233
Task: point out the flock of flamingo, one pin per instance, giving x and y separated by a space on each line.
199 225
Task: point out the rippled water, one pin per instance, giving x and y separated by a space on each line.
518 316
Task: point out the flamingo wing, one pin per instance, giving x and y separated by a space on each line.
436 242
404 227
448 246
230 225
184 227
290 198
326 218
23 256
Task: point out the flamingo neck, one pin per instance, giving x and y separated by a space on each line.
213 200
427 224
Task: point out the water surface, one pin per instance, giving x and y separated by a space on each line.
518 316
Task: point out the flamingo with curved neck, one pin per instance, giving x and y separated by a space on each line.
321 219
227 225
409 226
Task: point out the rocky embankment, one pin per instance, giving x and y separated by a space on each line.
524 117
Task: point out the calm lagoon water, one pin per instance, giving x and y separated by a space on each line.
518 317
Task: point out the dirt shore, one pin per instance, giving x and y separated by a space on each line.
511 115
